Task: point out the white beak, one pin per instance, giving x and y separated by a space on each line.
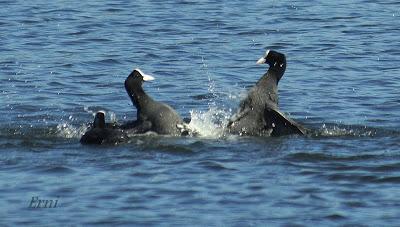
261 61
146 77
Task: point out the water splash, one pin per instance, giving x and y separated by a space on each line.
343 130
211 123
69 131
110 114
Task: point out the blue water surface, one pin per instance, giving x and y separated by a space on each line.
61 61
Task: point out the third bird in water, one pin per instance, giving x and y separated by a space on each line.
258 113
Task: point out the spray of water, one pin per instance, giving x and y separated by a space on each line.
68 129
212 122
209 123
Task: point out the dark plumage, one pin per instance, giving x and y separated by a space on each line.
151 115
100 132
258 113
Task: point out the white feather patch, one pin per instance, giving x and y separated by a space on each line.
146 77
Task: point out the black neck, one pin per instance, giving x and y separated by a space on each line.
273 75
138 95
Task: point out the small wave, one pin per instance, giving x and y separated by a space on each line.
55 170
335 217
391 179
213 165
171 148
386 167
321 157
364 178
108 61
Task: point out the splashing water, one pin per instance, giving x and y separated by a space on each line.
343 130
67 130
211 123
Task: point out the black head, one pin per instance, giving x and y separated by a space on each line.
99 120
133 86
273 59
136 78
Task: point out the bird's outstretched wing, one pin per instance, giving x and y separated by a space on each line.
281 124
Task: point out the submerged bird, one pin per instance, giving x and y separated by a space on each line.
100 132
152 116
259 113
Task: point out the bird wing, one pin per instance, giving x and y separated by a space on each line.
281 124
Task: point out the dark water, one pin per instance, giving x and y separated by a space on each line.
62 60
